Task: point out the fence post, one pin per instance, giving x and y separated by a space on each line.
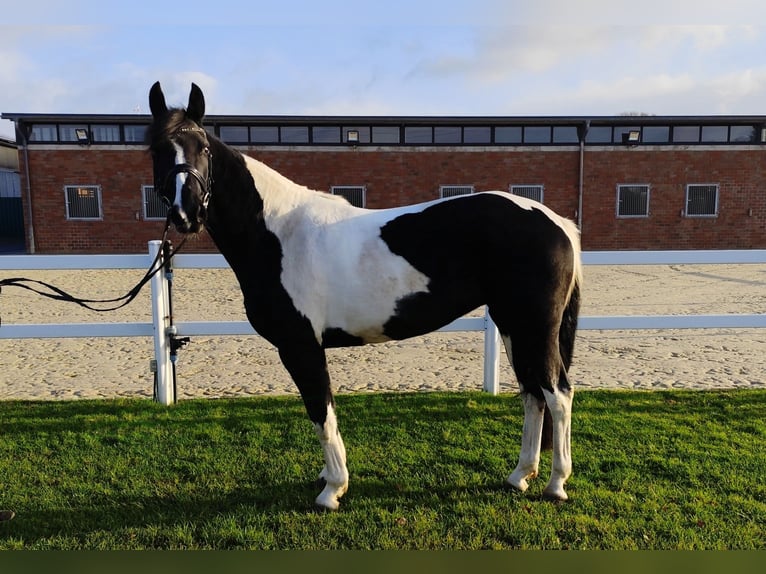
491 355
163 392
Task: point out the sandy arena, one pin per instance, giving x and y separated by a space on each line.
50 369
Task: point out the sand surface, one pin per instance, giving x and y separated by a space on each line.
242 366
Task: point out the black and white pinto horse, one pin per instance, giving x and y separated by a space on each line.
317 272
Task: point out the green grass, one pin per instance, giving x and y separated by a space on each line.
657 470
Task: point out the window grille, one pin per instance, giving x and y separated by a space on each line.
83 201
154 206
633 200
354 194
455 190
701 200
534 192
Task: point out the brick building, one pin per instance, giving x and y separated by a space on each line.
632 182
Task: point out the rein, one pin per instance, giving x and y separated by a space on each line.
53 292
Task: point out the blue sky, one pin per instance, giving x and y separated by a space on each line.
476 57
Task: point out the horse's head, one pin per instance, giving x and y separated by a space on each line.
182 160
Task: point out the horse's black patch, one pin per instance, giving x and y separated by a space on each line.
339 338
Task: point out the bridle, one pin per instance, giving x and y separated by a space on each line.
206 183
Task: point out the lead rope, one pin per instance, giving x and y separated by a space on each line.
52 292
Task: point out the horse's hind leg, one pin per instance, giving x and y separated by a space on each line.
559 401
543 380
307 366
529 457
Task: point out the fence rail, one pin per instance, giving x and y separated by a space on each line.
163 332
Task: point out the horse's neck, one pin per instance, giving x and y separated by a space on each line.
280 194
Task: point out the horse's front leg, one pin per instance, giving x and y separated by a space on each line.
307 366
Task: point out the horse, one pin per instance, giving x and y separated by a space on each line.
316 273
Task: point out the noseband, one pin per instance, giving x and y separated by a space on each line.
205 183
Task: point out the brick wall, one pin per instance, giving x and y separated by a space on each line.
402 176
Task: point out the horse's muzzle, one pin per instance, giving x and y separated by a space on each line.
183 223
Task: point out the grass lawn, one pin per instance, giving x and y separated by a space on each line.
652 470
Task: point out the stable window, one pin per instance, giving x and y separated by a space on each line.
68 133
44 133
537 135
534 192
599 134
508 134
477 134
325 134
742 134
354 194
264 134
565 134
448 134
294 134
686 134
135 134
105 133
418 135
362 134
701 200
656 134
455 190
83 201
386 134
234 134
712 134
154 206
633 200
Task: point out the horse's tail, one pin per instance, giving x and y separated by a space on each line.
568 328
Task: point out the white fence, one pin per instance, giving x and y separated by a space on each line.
162 331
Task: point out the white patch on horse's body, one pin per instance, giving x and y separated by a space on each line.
330 246
180 181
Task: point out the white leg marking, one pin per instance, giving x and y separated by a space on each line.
560 405
529 458
531 435
334 472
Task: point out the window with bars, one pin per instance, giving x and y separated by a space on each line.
83 201
534 192
154 206
701 200
633 200
354 194
455 190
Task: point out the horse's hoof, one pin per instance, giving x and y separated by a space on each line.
6 515
555 495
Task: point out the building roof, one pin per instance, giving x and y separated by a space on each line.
398 120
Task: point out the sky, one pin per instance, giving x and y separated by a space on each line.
387 57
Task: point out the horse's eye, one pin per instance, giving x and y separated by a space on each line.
206 150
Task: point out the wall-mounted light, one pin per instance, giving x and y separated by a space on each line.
83 138
352 136
631 137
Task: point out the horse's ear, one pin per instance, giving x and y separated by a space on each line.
196 109
157 101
